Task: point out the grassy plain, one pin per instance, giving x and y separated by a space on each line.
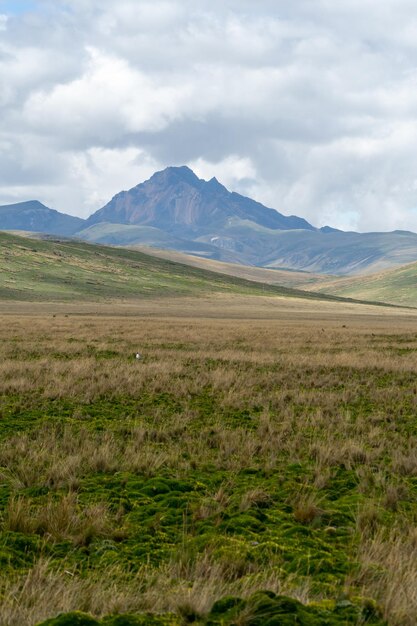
259 444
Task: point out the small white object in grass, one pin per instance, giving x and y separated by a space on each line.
138 356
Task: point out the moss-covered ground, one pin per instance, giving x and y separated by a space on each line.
240 472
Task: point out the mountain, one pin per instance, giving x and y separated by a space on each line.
36 217
178 202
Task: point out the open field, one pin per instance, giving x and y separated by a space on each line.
259 444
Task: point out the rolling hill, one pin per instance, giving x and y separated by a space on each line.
47 270
396 286
338 253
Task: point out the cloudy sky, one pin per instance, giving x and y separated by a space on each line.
309 106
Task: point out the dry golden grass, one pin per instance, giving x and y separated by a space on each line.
45 591
388 571
251 386
61 519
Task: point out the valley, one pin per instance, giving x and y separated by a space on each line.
398 286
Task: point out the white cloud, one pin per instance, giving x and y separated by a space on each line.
97 172
308 106
109 100
233 171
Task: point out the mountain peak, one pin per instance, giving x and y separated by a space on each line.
26 205
172 175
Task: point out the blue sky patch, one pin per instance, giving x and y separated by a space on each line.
17 7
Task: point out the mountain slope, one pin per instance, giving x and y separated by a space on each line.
129 234
397 286
36 217
33 269
341 252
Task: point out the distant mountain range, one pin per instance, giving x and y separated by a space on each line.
36 217
176 210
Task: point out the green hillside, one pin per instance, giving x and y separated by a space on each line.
397 286
63 270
